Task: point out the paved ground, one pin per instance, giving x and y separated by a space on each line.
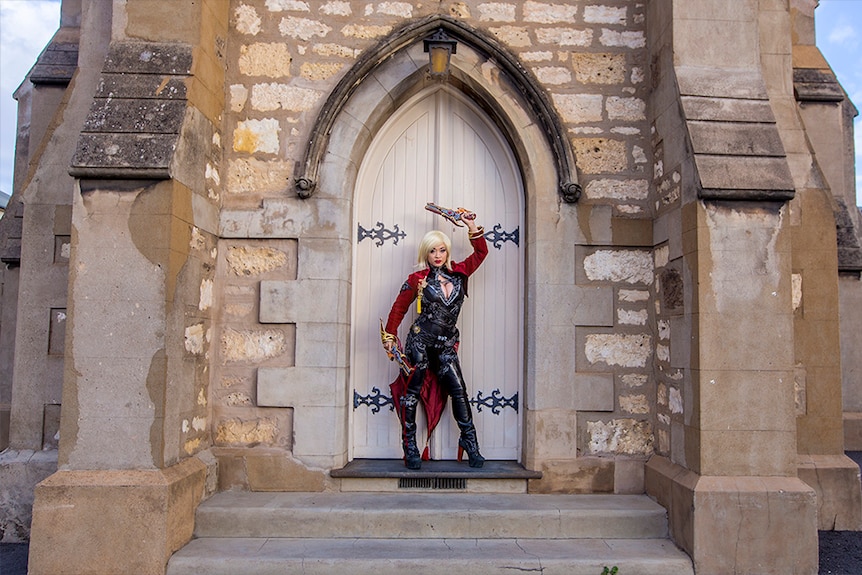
840 551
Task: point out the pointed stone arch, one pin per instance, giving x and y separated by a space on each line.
515 84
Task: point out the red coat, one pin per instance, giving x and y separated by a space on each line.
432 396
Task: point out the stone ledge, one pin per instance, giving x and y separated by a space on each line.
376 468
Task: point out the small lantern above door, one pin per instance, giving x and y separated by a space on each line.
440 48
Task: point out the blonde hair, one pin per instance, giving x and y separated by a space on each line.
431 240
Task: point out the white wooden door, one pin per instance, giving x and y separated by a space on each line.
439 148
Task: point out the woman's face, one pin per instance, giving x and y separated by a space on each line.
437 256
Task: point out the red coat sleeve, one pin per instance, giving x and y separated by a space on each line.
474 260
402 303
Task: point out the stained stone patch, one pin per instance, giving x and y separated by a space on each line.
618 349
620 436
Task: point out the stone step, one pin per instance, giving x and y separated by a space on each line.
433 556
432 515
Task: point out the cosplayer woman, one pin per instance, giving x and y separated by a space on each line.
432 342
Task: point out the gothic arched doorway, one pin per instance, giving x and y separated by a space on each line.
438 146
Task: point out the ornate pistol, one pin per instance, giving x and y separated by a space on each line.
396 354
454 216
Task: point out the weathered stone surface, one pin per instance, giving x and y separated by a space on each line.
250 261
20 472
142 86
547 13
626 189
620 436
265 59
496 12
599 68
251 345
600 155
238 432
150 154
257 136
579 108
628 266
626 109
251 175
136 116
735 139
267 97
246 20
618 349
565 36
605 14
148 58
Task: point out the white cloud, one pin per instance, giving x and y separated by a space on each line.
26 26
845 35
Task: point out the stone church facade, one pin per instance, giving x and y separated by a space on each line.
186 287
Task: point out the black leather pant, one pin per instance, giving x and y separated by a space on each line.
434 348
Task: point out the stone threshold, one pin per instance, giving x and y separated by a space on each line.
446 469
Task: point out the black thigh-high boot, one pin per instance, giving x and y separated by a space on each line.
412 458
463 414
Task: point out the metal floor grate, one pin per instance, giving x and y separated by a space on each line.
432 483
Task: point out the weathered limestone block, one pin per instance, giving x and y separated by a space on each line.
626 190
400 9
287 5
635 404
251 346
512 35
302 28
245 261
496 11
581 475
829 475
246 20
624 350
257 136
319 70
620 266
600 155
235 431
565 37
605 15
335 50
620 436
625 39
553 75
265 59
365 32
336 8
547 13
599 68
579 108
251 175
626 109
268 97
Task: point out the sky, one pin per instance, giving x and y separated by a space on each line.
26 26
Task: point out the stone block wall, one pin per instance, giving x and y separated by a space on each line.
284 58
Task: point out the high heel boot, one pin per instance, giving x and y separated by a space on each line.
464 418
412 458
